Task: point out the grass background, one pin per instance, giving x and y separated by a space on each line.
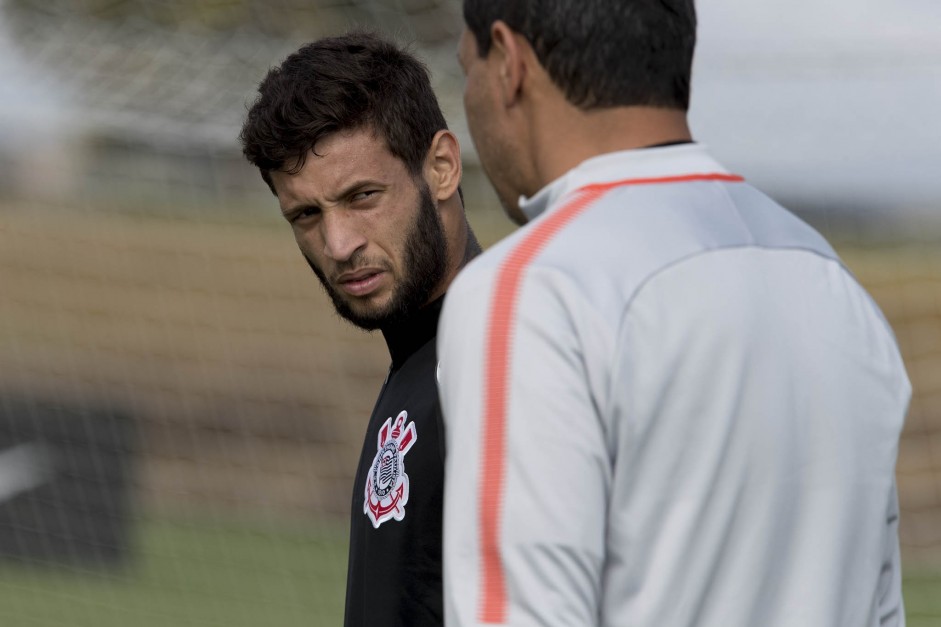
191 572
202 574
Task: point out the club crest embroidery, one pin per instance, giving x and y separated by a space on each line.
387 483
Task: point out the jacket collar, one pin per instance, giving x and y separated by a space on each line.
638 163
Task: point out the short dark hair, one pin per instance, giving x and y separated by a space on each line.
602 53
357 80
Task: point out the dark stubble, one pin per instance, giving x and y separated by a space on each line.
426 255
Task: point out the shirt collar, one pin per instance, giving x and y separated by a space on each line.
662 161
406 336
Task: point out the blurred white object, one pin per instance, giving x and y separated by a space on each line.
833 103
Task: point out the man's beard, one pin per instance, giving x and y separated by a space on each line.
424 267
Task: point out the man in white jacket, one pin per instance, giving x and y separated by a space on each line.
667 402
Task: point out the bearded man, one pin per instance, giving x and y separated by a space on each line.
349 136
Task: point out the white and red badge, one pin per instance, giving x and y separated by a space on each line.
387 483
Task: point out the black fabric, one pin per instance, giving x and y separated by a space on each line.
394 576
676 142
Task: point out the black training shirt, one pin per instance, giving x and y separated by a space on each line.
394 576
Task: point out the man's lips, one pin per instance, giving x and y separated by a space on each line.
361 282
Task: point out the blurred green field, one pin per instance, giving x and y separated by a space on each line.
201 575
197 574
922 590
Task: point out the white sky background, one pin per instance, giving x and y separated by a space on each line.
31 107
829 102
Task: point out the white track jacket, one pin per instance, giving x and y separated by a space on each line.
668 404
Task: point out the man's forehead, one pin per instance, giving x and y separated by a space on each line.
345 145
466 48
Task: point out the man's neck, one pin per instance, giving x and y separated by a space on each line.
407 335
570 137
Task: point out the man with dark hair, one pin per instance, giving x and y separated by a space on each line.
349 136
667 401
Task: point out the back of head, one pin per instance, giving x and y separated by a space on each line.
354 81
602 53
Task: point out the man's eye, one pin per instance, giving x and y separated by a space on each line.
304 214
362 195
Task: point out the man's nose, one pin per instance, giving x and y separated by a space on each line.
341 235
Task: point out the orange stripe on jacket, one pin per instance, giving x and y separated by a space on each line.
493 599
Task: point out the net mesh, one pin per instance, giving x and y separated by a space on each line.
180 408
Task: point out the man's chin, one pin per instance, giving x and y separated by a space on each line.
364 323
511 207
365 315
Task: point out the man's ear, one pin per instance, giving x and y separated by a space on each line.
443 165
507 48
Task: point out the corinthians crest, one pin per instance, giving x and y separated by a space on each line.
387 483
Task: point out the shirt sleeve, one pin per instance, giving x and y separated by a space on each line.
527 471
891 606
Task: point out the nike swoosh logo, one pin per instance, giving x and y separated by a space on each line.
24 467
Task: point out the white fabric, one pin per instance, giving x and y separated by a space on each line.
703 415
